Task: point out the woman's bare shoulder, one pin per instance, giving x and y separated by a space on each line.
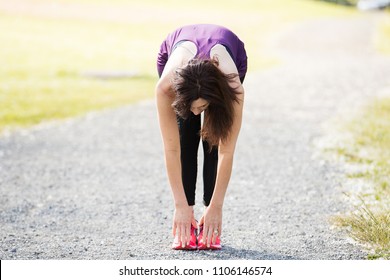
179 57
226 63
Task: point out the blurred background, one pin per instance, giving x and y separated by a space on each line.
62 58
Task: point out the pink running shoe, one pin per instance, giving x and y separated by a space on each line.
203 246
192 246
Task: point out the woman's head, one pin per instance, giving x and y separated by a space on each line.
200 86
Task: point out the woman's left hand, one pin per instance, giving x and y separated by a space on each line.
212 224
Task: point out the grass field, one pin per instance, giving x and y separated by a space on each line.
369 148
46 46
382 38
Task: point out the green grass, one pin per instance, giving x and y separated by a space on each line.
382 36
44 53
370 222
369 227
43 61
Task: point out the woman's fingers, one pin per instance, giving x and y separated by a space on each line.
201 221
216 233
210 234
212 224
186 234
183 218
183 233
194 223
174 229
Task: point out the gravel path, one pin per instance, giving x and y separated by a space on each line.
95 187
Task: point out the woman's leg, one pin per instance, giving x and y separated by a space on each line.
210 166
189 142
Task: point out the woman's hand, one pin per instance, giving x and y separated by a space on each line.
212 224
182 220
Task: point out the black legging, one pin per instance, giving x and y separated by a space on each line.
189 142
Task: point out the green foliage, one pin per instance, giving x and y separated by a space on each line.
343 2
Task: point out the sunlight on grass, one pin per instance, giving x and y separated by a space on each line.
369 227
382 36
66 97
370 222
41 74
47 46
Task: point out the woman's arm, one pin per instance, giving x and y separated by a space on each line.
168 122
226 154
213 215
171 141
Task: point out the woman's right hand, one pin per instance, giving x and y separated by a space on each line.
182 220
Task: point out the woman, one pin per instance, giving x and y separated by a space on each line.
201 69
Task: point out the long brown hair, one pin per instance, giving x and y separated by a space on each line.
201 78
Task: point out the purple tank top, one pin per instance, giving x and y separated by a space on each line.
205 36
